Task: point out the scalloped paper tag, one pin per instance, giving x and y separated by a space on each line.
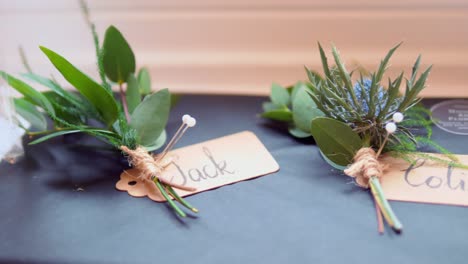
207 165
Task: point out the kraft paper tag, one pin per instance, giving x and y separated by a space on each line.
426 182
207 165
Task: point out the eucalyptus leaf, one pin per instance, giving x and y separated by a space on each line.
304 109
296 132
29 112
29 93
269 106
336 140
99 97
298 86
133 95
279 95
118 58
159 142
144 81
279 115
150 117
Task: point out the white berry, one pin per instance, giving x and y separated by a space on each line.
191 122
398 117
185 118
391 127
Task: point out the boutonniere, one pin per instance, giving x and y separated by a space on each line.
356 120
133 122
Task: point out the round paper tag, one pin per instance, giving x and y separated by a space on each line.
451 116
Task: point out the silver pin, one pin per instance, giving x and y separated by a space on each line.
187 121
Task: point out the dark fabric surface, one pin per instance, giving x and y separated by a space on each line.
305 213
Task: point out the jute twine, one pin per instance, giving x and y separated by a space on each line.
365 166
140 159
149 166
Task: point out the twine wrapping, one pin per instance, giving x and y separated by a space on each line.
144 162
365 166
149 167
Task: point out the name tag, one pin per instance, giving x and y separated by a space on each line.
207 165
426 182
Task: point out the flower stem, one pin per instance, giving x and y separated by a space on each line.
169 200
385 207
124 102
178 186
380 226
173 193
382 146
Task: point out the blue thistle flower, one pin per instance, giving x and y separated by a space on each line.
362 95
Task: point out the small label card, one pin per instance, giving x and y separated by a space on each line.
426 182
207 165
451 116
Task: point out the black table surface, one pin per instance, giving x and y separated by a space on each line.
59 205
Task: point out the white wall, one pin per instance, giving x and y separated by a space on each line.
242 46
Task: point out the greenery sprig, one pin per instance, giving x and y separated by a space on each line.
346 114
137 120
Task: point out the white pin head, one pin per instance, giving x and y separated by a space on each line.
191 122
391 127
185 118
398 117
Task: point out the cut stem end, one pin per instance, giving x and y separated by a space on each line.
384 206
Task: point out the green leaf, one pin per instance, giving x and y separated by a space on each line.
313 76
304 109
29 112
52 85
175 98
69 99
323 57
29 93
392 94
279 95
64 110
384 63
345 76
414 70
133 95
158 143
278 115
99 97
92 131
411 94
269 106
296 132
118 59
296 88
289 89
144 81
336 140
54 134
150 117
334 165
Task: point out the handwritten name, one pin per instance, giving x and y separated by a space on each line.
210 170
432 181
